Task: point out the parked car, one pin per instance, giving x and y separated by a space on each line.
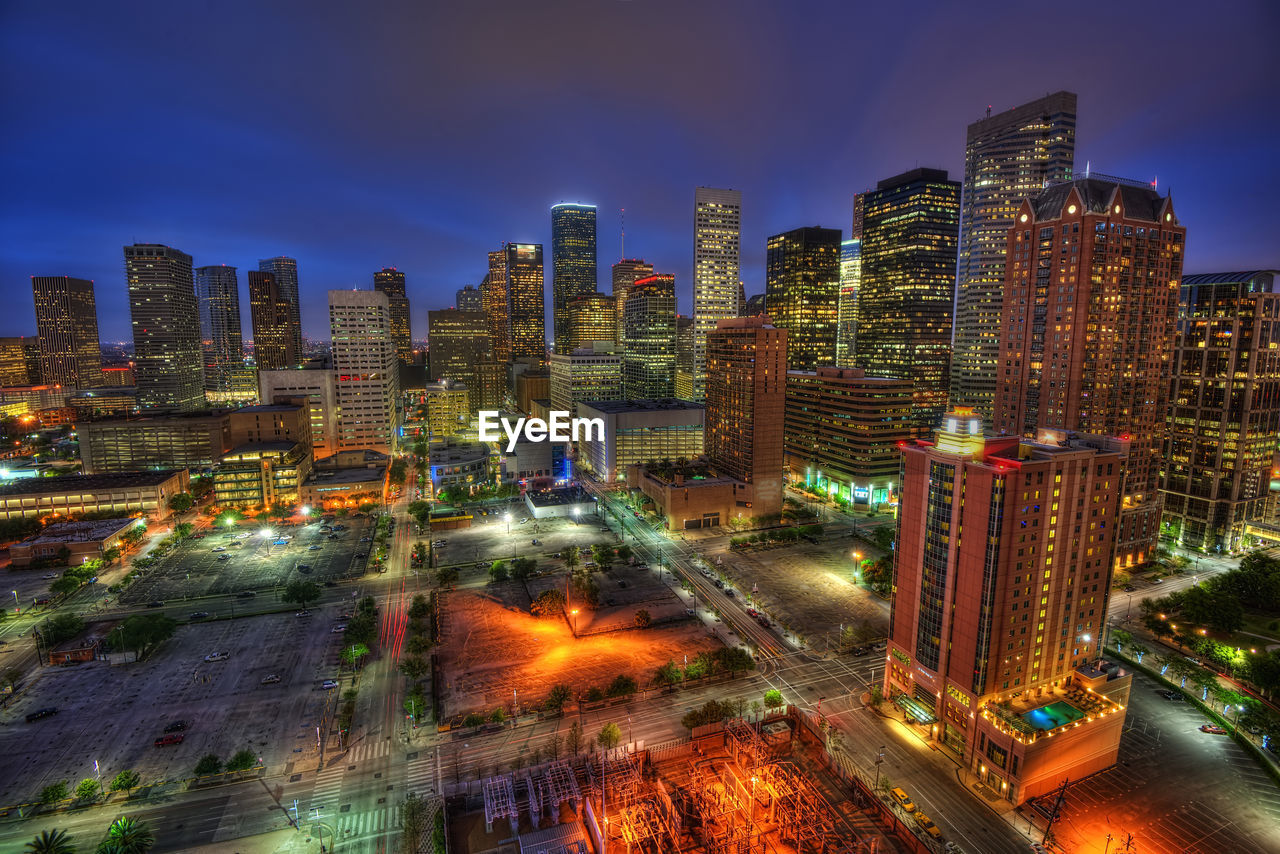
40 714
224 557
690 612
338 629
220 548
313 548
216 656
860 650
270 679
198 615
165 740
927 825
328 684
1213 729
155 604
304 567
903 801
176 726
303 613
246 594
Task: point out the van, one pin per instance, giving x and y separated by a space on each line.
903 801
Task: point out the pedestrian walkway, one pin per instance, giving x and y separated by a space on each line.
367 750
421 774
354 825
328 786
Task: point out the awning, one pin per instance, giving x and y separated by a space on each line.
915 709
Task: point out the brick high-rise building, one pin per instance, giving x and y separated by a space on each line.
272 319
802 293
1003 567
573 265
625 274
1090 306
717 235
67 326
649 339
390 281
910 226
366 371
746 400
1007 157
1224 412
166 328
218 289
526 304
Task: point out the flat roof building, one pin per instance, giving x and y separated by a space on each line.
83 541
638 432
146 492
588 373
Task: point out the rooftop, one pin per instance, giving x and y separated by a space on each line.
654 405
87 482
558 497
268 407
80 532
1139 201
360 474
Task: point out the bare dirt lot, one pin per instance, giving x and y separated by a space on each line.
487 539
807 587
114 713
492 646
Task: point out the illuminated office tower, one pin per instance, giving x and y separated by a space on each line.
1224 414
649 339
366 373
717 232
591 318
625 274
684 357
286 272
166 328
457 346
526 305
468 298
493 294
589 373
1000 598
218 289
1088 324
573 264
272 318
13 363
67 327
802 293
850 275
909 231
1008 157
390 281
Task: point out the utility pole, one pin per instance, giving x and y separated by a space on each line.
1057 809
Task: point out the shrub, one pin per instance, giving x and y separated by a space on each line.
208 764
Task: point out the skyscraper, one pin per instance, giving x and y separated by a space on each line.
493 293
166 328
625 274
218 289
366 374
390 281
717 232
286 272
272 319
746 398
457 346
1089 314
586 374
909 231
684 357
573 264
468 298
526 303
13 363
1008 157
67 326
802 293
649 339
850 276
1224 413
1002 575
591 318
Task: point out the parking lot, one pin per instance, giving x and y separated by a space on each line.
244 559
487 539
114 714
1223 801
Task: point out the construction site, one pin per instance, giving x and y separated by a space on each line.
738 787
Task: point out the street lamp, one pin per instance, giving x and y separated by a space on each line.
575 515
879 761
574 613
17 606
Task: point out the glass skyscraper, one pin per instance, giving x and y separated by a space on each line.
802 295
573 264
218 290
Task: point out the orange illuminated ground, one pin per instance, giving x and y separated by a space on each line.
493 646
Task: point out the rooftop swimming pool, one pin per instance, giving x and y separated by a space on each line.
1053 715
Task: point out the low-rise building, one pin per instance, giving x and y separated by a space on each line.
690 502
347 478
551 503
144 492
457 465
89 645
83 541
640 431
107 402
195 440
259 474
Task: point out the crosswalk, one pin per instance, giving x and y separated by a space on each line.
367 750
420 776
377 821
328 785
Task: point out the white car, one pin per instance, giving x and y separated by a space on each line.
336 629
271 679
216 656
329 683
220 548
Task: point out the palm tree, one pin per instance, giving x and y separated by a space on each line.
51 842
128 836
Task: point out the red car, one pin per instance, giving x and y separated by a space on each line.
165 740
1213 729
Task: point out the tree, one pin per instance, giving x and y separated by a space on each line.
446 576
497 716
498 571
208 764
419 607
1120 637
183 530
62 627
559 695
773 699
181 503
667 674
643 619
573 739
413 823
711 712
734 659
473 719
1137 650
87 789
413 667
301 592
571 560
110 555
53 792
609 736
124 781
553 745
143 632
50 842
522 568
602 555
130 836
243 760
421 512
548 603
621 686
10 677
418 645
352 653
624 553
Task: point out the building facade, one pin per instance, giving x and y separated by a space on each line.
458 466
909 232
366 370
285 271
147 493
1003 567
649 339
271 315
318 388
1224 410
166 328
193 440
1007 157
638 432
846 314
843 430
458 343
625 274
390 281
591 318
717 237
588 373
222 341
573 266
526 305
13 362
468 298
802 293
67 329
1089 316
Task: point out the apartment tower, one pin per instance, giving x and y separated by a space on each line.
717 233
165 316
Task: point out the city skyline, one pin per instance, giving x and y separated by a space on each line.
380 217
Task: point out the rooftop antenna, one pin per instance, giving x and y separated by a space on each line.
988 111
1155 183
1087 164
623 212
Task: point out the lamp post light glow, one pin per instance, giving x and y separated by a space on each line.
574 614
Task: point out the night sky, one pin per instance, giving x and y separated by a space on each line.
352 136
